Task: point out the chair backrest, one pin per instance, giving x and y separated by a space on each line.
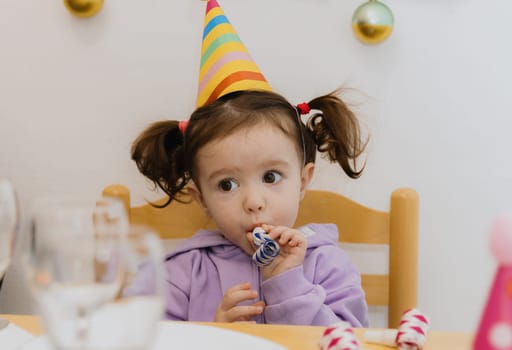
356 223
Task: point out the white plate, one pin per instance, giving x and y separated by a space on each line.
176 335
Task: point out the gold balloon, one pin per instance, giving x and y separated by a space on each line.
372 22
84 8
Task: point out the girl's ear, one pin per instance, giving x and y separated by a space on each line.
306 176
194 191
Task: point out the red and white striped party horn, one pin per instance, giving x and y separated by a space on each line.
411 333
339 336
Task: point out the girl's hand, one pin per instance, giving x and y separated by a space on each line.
229 310
293 246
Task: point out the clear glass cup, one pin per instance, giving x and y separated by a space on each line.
96 280
74 264
130 321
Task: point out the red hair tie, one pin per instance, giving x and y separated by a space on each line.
303 108
182 125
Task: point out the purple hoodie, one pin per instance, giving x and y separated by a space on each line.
324 290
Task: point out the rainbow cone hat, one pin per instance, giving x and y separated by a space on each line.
226 65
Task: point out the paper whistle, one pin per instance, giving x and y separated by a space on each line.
385 337
339 336
268 249
410 335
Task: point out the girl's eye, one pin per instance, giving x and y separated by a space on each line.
271 177
227 185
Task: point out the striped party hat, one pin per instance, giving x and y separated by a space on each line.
226 65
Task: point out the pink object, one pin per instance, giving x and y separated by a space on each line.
339 337
501 239
495 329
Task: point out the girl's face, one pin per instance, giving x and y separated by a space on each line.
254 176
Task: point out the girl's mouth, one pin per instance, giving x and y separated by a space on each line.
252 227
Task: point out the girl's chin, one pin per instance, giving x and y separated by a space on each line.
246 248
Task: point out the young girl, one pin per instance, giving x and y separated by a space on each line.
247 158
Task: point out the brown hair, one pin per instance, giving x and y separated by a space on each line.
167 157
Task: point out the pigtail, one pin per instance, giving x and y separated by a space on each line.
336 132
158 153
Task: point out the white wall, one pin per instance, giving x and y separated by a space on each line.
435 98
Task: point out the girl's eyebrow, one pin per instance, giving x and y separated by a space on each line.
271 163
276 162
222 171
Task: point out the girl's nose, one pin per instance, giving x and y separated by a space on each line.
254 202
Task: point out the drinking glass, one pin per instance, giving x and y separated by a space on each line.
9 219
130 321
98 282
74 264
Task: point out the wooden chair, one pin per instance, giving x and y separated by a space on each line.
397 228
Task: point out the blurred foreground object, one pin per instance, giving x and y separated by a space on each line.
9 222
495 329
